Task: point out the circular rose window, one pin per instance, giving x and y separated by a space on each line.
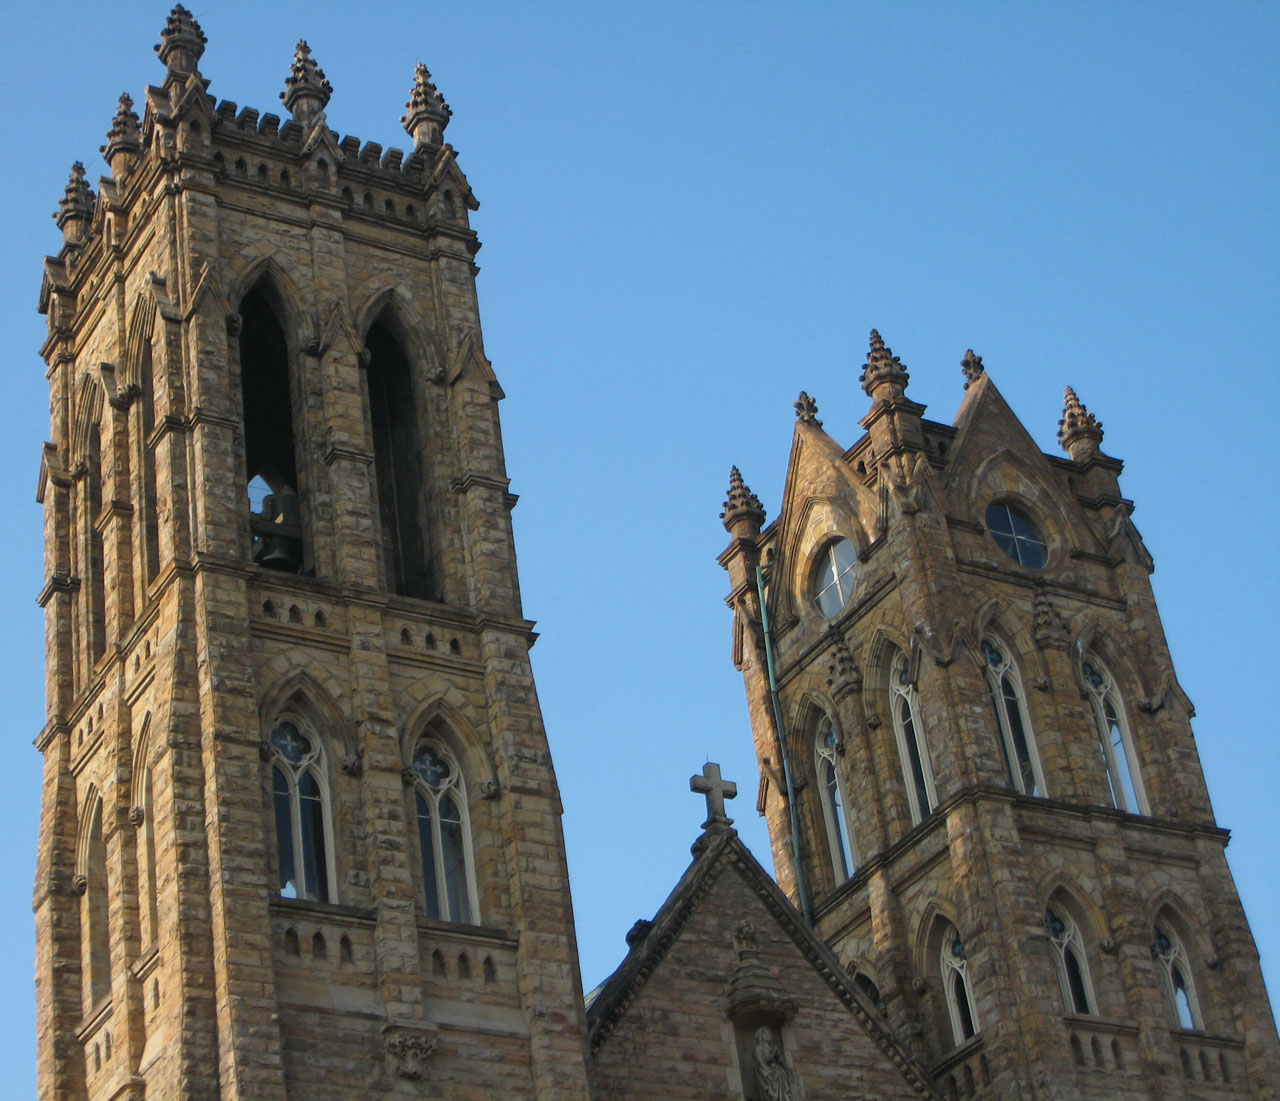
1017 535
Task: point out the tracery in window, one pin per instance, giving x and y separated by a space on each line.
913 749
1115 744
444 835
844 855
1017 739
954 966
1069 960
1175 970
300 798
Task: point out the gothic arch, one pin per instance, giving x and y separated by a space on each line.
884 644
396 308
804 537
983 485
1060 883
92 805
302 693
281 290
1098 638
86 415
442 718
138 337
141 759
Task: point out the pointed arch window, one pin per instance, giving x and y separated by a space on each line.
1115 743
954 965
398 460
96 564
146 842
833 576
1175 970
835 808
1069 961
444 835
1017 739
913 749
271 467
300 798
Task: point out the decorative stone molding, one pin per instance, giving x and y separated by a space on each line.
753 994
844 675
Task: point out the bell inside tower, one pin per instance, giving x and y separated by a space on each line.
270 458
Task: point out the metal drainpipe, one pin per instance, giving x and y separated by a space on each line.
805 908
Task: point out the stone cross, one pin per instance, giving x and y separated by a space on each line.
717 791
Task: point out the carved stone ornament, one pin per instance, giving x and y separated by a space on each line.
264 750
408 776
353 764
919 984
844 674
488 789
136 816
80 884
807 410
409 1054
1108 945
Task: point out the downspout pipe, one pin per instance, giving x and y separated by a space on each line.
805 908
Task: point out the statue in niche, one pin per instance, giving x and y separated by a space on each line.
775 1080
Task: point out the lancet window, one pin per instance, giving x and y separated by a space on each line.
1175 970
397 461
1115 744
270 453
835 808
444 834
913 749
1069 960
954 966
1017 739
300 798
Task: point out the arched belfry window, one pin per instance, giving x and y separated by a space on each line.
1115 744
1175 970
271 465
956 985
913 749
300 799
1017 739
398 461
1069 960
444 834
835 807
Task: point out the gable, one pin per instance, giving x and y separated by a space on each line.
661 1026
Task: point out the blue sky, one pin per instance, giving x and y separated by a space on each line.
690 213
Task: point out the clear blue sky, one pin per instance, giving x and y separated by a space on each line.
691 212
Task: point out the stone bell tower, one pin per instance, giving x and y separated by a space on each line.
300 829
976 762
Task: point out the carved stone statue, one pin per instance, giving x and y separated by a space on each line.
776 1080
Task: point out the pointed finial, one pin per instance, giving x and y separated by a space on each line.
884 375
75 208
124 139
306 91
807 410
1079 431
743 514
971 367
427 113
182 42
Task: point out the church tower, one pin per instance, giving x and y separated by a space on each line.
977 764
301 831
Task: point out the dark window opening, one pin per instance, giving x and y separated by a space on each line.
270 463
398 467
97 558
